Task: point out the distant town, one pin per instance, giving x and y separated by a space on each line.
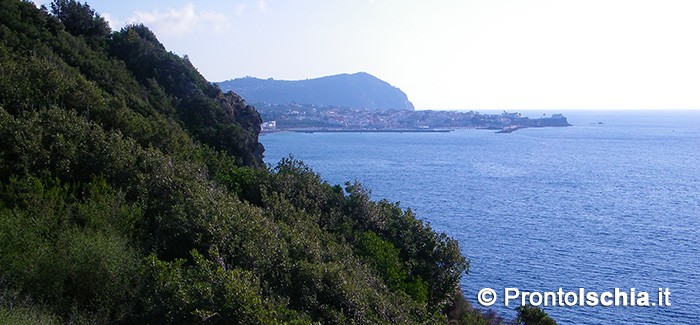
308 118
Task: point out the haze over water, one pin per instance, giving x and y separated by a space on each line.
594 206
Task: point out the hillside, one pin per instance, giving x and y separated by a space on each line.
359 90
132 191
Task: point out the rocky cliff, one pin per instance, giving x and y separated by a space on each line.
248 118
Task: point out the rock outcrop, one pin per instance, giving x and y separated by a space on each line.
249 119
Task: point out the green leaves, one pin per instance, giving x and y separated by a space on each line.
533 315
58 244
203 291
133 191
80 19
383 256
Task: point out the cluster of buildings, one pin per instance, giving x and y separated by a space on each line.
295 116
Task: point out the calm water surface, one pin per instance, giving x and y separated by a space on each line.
591 206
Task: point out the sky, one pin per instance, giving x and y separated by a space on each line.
446 54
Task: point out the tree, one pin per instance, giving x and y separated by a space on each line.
532 315
80 19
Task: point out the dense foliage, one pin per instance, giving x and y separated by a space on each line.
533 315
133 191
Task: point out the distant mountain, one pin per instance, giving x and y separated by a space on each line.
359 90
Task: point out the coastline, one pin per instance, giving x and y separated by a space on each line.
506 129
357 131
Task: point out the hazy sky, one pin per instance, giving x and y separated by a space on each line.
447 54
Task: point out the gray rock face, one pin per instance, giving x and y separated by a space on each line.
250 151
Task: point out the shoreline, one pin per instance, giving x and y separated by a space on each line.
358 131
500 130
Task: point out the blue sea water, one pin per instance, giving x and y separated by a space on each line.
593 206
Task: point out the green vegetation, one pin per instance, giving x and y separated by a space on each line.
532 315
133 191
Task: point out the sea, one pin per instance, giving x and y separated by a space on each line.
612 202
